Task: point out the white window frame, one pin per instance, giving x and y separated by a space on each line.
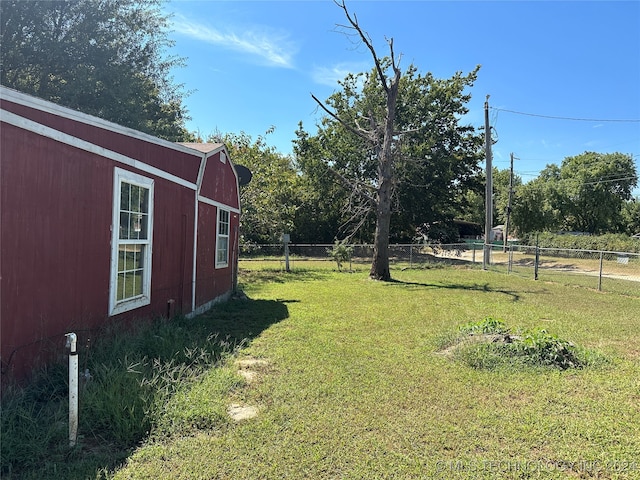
222 237
119 306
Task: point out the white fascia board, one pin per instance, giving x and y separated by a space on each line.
45 131
208 201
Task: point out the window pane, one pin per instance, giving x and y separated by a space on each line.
130 271
124 226
223 245
135 198
121 287
144 200
122 258
125 195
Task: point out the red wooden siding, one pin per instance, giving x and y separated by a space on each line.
56 211
219 182
180 164
211 282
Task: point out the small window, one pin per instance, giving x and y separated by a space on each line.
222 239
131 242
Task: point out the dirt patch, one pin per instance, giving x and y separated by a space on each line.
249 368
242 412
250 362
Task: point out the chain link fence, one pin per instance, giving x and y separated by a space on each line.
600 270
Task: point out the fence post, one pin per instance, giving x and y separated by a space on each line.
600 274
510 262
286 238
473 255
535 267
411 256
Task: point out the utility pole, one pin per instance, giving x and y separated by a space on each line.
488 224
506 226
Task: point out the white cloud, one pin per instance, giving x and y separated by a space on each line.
332 74
269 47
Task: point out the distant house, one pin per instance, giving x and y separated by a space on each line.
497 234
101 222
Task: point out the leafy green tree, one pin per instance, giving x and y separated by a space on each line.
532 209
474 198
320 217
434 156
386 129
270 201
595 187
102 57
631 216
587 193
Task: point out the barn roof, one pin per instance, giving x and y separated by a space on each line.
202 147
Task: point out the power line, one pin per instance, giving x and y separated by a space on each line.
566 118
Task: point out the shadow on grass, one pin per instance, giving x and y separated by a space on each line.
515 296
134 372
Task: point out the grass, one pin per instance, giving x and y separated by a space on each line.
356 387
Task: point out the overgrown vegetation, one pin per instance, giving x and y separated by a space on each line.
609 242
143 383
490 344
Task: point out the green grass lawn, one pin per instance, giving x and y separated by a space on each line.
354 385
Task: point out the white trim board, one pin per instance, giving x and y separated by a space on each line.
76 142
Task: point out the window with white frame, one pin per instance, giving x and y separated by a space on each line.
131 242
222 239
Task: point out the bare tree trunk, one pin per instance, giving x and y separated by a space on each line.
380 264
377 136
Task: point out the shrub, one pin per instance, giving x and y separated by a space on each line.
608 242
341 253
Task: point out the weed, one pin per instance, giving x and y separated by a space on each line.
341 253
533 348
488 325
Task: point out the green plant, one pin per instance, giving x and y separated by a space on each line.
341 253
487 326
542 348
535 347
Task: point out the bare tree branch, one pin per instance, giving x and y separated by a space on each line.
361 134
354 185
353 20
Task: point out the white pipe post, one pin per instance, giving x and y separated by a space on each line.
286 238
73 388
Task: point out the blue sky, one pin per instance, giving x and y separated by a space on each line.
252 65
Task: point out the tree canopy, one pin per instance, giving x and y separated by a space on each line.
587 193
435 156
272 198
102 57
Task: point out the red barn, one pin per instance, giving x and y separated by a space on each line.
101 222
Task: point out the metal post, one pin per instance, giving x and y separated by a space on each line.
73 388
510 267
535 268
600 274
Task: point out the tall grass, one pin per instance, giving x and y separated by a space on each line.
135 374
